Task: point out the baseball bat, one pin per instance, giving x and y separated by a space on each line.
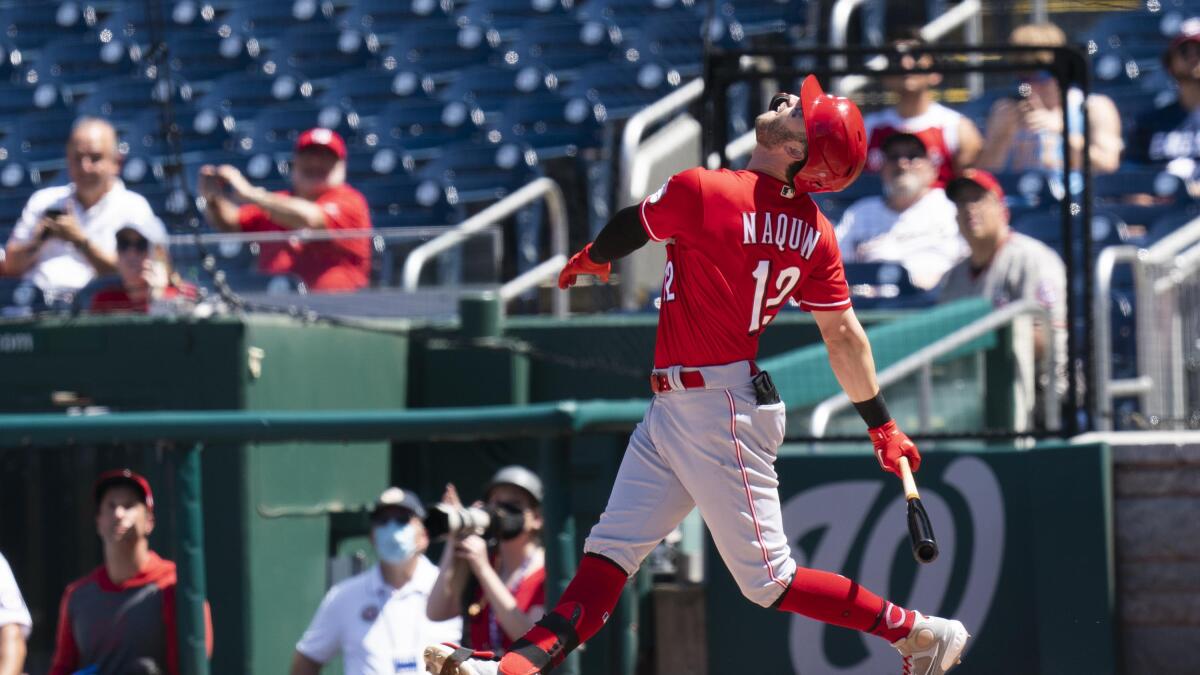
920 531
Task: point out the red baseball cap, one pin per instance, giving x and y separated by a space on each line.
123 477
323 138
978 178
1189 31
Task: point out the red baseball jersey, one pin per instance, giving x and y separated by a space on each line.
740 244
937 128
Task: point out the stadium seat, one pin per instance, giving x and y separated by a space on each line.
407 201
368 92
505 16
275 129
561 43
437 48
322 50
631 13
421 124
382 18
20 298
884 284
18 99
761 17
37 136
259 20
207 56
32 24
549 121
78 60
197 131
490 88
478 172
620 89
128 97
244 95
1108 228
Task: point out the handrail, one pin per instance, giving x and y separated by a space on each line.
1102 325
926 355
529 279
218 238
540 188
950 19
211 426
839 25
636 127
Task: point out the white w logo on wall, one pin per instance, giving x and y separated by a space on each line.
841 510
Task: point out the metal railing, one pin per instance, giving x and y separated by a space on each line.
541 188
306 234
635 129
922 361
1178 253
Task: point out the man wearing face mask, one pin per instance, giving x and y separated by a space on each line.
511 593
320 199
376 619
912 224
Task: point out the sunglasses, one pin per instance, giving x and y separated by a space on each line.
911 155
139 244
385 517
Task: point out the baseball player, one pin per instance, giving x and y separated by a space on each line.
739 245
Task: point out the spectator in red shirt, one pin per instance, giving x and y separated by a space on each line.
511 579
145 271
120 618
319 199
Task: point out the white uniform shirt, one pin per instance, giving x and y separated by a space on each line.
60 267
923 238
12 605
379 630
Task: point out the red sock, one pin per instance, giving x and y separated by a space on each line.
834 599
586 603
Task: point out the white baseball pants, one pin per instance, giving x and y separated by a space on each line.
713 448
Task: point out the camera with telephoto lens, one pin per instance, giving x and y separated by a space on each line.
503 521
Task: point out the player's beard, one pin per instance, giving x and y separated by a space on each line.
905 186
773 133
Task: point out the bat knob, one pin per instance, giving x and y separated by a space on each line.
925 551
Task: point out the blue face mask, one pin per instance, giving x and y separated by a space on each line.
395 543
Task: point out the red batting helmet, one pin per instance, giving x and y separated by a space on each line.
837 140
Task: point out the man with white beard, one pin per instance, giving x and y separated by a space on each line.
912 224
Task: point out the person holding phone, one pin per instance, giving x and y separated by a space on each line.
146 274
1024 132
67 233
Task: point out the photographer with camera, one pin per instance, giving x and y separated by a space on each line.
509 589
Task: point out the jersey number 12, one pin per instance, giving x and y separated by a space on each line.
784 283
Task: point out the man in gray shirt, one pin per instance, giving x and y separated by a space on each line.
1005 266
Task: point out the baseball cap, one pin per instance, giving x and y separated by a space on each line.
1189 31
323 138
904 137
517 476
126 477
399 498
152 231
977 177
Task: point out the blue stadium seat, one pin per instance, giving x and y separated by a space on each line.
1108 228
207 56
243 95
130 23
630 13
19 298
760 17
422 123
127 97
368 92
437 48
490 88
621 88
549 121
884 284
407 201
260 20
322 50
275 129
384 17
197 131
509 15
560 43
1140 180
31 24
77 60
478 172
17 99
37 136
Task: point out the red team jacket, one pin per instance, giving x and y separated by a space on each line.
738 249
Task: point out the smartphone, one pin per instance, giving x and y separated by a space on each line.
50 213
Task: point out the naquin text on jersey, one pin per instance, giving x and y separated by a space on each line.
781 231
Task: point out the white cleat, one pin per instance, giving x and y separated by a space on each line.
448 659
933 646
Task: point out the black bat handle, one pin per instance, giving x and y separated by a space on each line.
920 532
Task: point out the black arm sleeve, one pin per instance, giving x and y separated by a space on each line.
622 235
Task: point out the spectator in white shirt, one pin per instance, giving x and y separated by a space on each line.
67 233
912 224
376 619
15 623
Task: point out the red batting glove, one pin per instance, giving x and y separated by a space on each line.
891 444
582 263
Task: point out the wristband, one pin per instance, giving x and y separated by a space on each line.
874 411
